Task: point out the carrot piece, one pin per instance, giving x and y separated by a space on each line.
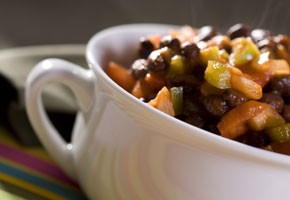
137 90
155 81
163 102
141 89
121 76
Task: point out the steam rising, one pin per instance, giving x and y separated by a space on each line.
269 14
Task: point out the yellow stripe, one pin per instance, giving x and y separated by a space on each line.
30 187
38 174
39 152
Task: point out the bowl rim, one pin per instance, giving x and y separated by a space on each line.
242 150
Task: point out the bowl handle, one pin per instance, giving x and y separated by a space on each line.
80 81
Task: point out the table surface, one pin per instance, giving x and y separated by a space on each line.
29 173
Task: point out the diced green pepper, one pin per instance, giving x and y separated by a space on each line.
265 120
176 67
218 74
177 99
272 122
244 50
280 134
211 53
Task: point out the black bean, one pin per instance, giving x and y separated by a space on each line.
274 99
234 97
190 51
195 120
157 60
267 43
158 64
215 105
260 34
281 84
283 40
189 106
198 71
238 30
286 113
189 83
222 42
257 139
145 48
206 33
139 68
169 41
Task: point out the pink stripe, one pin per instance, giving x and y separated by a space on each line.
34 163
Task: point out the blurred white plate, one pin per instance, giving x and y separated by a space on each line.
16 63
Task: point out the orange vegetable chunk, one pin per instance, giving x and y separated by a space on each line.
163 102
234 123
154 39
121 76
141 89
249 88
155 81
279 67
281 147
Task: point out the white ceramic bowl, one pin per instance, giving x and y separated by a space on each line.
124 149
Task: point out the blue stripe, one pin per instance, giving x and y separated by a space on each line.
40 182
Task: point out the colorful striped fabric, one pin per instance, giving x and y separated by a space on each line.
31 169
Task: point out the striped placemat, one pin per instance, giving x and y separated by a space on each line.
32 170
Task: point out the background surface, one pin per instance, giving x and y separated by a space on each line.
34 22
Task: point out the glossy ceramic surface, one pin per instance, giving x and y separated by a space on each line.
123 149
